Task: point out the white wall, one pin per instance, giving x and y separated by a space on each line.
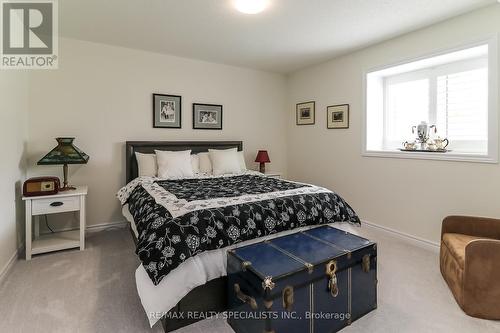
102 95
13 138
411 196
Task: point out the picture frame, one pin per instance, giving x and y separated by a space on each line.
305 113
207 116
167 111
337 116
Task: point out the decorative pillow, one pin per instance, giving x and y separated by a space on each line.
241 158
195 163
174 164
225 161
146 163
205 163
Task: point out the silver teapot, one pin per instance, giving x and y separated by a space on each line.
441 143
423 132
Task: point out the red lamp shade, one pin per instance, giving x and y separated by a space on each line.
262 158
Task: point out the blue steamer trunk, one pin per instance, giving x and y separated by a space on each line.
318 280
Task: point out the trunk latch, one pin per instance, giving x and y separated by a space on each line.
366 263
331 270
288 298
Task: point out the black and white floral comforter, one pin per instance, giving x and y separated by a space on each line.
178 219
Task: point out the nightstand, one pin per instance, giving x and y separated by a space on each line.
67 201
273 174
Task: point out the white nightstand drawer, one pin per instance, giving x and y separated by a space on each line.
55 205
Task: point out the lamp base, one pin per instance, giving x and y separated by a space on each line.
262 168
66 187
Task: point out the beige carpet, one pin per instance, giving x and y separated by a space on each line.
94 291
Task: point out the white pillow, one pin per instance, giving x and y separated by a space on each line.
241 157
195 163
205 163
146 164
174 164
225 161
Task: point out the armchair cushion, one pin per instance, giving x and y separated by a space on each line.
472 226
456 244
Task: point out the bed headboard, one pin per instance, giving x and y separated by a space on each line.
149 147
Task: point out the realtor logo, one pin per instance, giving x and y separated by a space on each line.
29 34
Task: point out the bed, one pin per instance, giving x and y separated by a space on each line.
198 281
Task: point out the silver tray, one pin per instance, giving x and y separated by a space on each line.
426 150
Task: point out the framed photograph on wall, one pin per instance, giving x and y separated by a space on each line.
305 113
337 116
207 116
167 111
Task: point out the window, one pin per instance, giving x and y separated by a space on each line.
452 91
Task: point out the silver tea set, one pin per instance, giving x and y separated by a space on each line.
424 141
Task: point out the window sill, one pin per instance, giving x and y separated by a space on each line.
454 157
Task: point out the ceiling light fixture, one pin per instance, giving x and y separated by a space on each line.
251 6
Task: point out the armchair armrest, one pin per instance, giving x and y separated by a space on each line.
472 226
482 278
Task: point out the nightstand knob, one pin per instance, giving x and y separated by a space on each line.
57 204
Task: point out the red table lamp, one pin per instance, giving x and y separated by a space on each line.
262 158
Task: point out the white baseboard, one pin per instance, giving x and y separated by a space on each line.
420 242
93 227
104 226
424 243
4 272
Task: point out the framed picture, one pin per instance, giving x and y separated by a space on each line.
305 113
337 116
207 116
167 111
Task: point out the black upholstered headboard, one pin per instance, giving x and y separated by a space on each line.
149 147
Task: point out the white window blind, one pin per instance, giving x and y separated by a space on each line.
452 96
462 109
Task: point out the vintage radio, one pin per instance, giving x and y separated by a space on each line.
41 186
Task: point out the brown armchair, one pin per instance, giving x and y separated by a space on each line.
470 263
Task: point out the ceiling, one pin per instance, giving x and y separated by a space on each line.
287 36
